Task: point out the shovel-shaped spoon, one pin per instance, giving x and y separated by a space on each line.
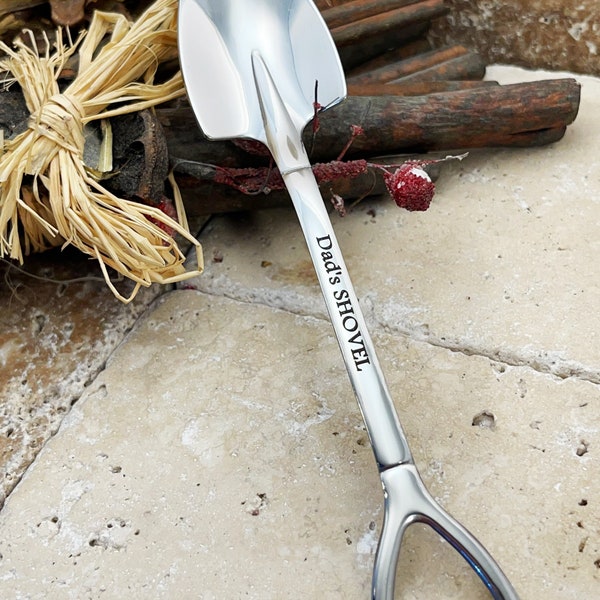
251 68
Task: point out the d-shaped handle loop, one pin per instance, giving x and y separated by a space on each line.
407 501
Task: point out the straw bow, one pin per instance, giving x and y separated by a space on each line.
48 197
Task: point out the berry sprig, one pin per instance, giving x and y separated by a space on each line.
410 185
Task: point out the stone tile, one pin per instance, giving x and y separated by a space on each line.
501 265
548 34
221 451
58 325
221 454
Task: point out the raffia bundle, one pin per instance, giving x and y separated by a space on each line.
48 197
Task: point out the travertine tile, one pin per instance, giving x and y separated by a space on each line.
221 452
221 455
501 265
58 325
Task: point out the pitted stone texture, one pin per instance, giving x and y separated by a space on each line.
543 34
221 454
502 264
58 326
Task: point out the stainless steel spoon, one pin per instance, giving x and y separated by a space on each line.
251 68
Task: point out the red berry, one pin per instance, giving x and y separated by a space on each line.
410 186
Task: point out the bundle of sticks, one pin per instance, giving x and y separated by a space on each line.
407 96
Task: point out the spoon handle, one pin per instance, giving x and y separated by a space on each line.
283 137
387 438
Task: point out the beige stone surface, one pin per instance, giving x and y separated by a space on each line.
219 452
221 455
501 265
58 325
546 34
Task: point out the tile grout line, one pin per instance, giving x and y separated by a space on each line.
562 369
74 398
535 360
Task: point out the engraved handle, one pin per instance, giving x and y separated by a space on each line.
387 438
283 137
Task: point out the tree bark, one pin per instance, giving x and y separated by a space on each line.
518 115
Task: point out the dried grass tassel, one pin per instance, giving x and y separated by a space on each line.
47 195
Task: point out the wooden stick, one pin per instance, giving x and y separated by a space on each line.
525 114
369 48
415 88
325 4
454 62
355 10
479 114
402 52
519 115
470 66
404 17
